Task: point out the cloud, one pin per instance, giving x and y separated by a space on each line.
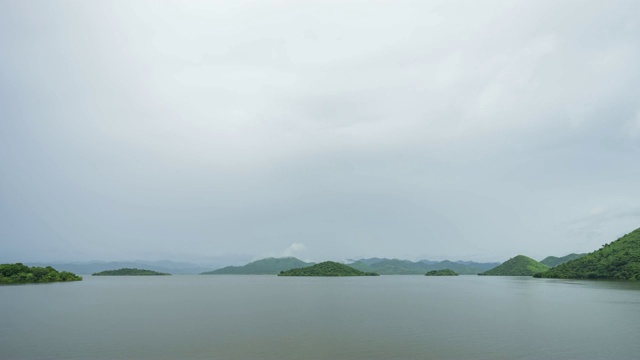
294 249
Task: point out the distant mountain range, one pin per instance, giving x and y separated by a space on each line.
517 266
164 266
619 260
406 267
273 266
268 266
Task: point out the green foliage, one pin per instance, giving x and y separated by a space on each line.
443 272
518 266
552 261
21 274
129 272
619 260
269 266
327 268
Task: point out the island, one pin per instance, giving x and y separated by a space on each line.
19 273
517 266
327 268
443 272
129 272
619 260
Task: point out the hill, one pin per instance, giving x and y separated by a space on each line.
444 272
552 261
327 268
129 272
268 266
21 274
518 266
619 260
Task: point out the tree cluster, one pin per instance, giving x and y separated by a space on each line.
21 274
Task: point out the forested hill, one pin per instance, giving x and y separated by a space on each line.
268 266
552 261
327 268
618 260
21 274
129 272
517 266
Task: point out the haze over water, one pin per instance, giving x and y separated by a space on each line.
266 317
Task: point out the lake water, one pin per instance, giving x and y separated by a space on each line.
269 317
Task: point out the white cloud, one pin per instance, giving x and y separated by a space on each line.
294 249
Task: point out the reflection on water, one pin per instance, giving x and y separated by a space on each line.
267 317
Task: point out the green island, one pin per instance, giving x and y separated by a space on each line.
619 260
129 272
327 268
517 266
443 272
21 274
268 266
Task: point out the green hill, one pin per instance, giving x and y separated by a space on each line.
268 266
518 266
619 260
552 261
21 274
327 268
129 272
443 272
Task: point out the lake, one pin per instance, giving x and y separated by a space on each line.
270 317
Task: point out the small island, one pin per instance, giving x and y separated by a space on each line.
443 272
21 274
327 268
129 272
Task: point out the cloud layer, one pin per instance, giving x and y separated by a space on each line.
432 129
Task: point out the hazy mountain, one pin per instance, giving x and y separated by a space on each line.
552 261
269 266
164 266
517 266
618 260
327 268
406 267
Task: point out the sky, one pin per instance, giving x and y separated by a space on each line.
229 131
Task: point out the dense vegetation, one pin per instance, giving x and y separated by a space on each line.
269 266
552 261
22 274
618 260
327 268
406 267
518 266
129 272
444 272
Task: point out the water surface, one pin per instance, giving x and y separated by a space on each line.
269 317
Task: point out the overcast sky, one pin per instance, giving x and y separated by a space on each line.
230 130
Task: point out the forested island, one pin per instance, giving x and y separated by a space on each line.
327 268
444 272
517 266
619 260
129 272
21 274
